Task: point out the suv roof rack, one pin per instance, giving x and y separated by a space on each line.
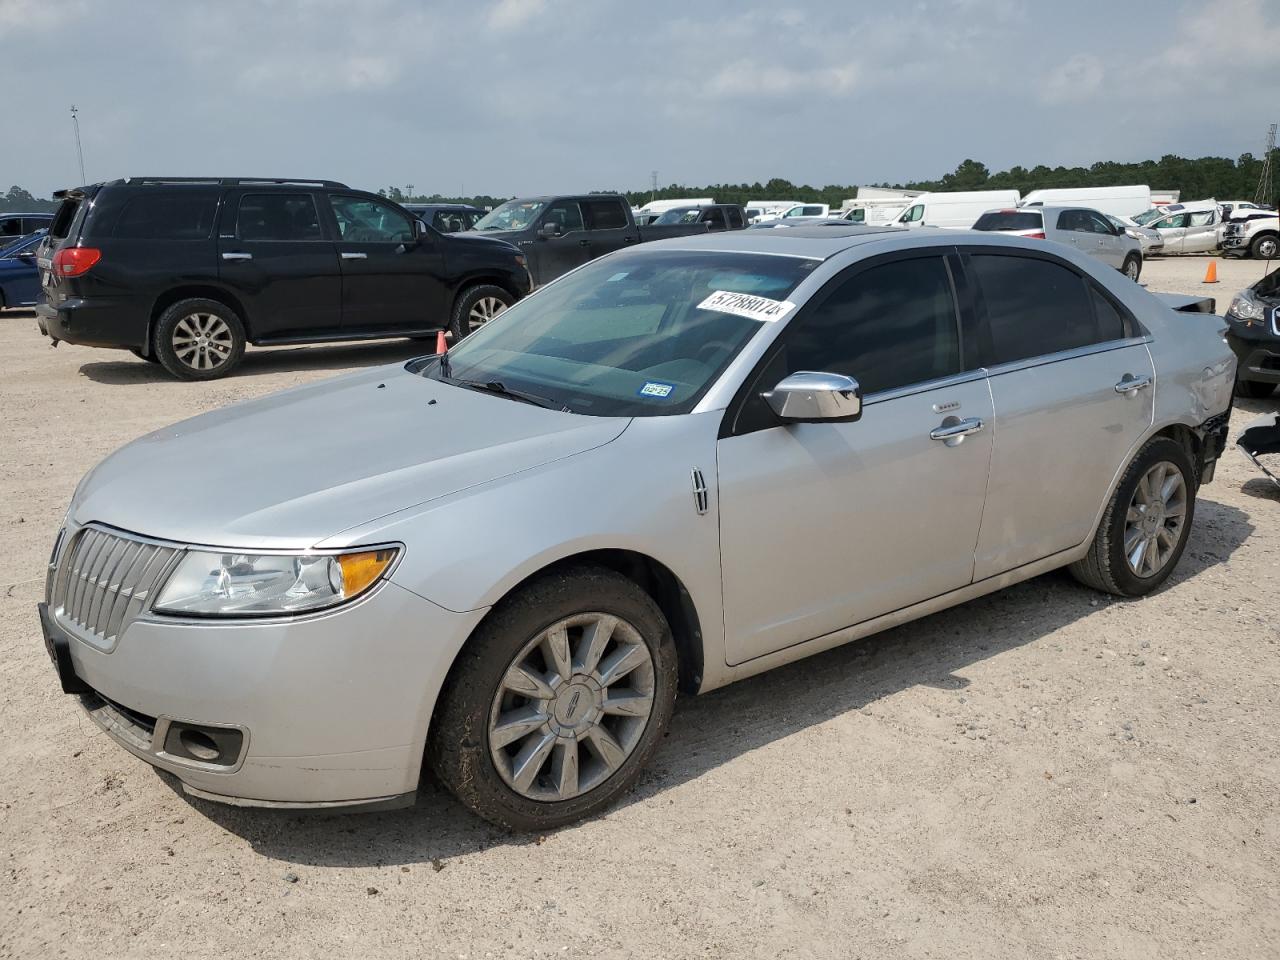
236 181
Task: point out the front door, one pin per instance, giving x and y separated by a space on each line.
1202 232
1172 230
275 254
561 243
1072 389
824 525
392 276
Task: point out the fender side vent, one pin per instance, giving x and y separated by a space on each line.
700 498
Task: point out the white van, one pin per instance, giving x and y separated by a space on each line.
956 211
874 212
805 210
1117 201
763 211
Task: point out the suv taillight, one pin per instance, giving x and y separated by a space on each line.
1034 236
74 261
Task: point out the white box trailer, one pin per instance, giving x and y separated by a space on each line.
1117 201
955 211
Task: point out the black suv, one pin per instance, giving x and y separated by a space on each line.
184 272
1254 335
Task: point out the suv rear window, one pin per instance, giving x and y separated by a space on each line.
278 216
1010 220
63 219
167 216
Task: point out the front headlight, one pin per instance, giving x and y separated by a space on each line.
225 584
1244 307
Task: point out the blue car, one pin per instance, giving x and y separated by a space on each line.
19 277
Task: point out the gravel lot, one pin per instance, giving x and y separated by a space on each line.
1042 773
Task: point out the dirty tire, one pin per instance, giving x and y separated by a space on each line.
1254 389
1132 267
1264 247
1105 567
458 750
460 323
185 311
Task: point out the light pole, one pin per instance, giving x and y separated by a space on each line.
75 123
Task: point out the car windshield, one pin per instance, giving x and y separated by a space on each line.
1010 220
679 215
512 215
637 334
1145 218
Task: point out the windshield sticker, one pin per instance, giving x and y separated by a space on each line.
746 305
617 276
655 388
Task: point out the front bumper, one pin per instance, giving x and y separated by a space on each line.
94 323
1256 359
329 710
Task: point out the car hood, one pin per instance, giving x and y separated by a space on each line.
294 468
508 236
503 239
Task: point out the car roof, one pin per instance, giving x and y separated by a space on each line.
816 242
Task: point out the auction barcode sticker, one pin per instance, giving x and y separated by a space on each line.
746 305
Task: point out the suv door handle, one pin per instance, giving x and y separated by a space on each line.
956 431
354 256
1131 385
237 256
584 243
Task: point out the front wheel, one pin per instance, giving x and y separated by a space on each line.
557 702
1146 524
477 306
199 339
1264 248
1132 267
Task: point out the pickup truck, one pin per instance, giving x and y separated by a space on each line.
1252 233
559 233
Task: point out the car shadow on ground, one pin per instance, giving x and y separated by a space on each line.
130 370
715 729
17 313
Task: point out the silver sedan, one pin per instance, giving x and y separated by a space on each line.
677 466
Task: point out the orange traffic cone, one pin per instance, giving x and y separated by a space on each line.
441 347
1211 274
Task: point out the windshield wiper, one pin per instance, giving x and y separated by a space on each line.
502 390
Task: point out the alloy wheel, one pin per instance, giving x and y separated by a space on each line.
1155 519
1131 269
202 341
482 311
571 707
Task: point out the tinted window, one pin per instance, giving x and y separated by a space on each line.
451 221
566 215
277 216
1034 307
1010 220
362 220
1110 322
713 218
1074 220
159 216
11 227
735 218
605 214
887 327
61 225
1098 223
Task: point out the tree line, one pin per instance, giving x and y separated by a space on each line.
1196 179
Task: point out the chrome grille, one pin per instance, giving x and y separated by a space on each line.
105 579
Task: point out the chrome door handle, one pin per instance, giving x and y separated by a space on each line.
956 431
1131 385
237 256
354 256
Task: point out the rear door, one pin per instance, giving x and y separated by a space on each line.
274 251
393 278
1072 387
1106 246
608 226
714 218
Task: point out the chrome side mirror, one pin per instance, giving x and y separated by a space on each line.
809 397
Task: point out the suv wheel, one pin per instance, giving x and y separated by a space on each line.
1264 248
1254 389
199 339
557 701
1145 526
1132 267
477 306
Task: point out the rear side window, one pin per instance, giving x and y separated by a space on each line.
63 219
604 214
1110 320
735 218
1011 220
161 216
887 327
1034 307
278 216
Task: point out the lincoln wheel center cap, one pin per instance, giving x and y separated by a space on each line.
576 708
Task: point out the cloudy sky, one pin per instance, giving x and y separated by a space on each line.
521 96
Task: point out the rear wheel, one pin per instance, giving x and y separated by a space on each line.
1254 389
1264 248
199 339
477 306
557 701
1132 266
1145 526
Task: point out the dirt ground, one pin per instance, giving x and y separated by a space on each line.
1042 773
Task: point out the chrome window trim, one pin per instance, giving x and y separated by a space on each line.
1043 359
924 386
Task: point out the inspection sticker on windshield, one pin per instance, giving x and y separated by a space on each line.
746 305
655 388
